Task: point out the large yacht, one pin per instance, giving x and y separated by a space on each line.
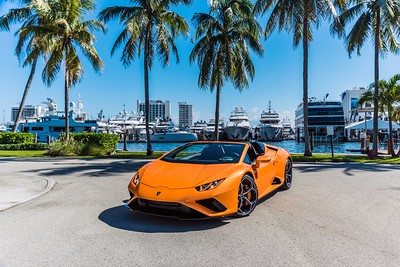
166 131
198 128
320 115
288 131
209 130
270 128
238 127
50 126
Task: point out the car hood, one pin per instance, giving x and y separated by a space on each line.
182 175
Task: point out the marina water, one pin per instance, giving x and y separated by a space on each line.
290 145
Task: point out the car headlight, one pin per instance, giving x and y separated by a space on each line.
209 186
136 179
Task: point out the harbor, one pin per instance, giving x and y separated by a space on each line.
351 126
290 145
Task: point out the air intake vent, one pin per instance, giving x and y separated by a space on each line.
276 181
212 204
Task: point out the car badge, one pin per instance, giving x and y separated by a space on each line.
158 193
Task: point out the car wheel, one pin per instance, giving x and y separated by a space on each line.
288 175
247 196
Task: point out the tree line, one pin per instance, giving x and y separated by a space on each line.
58 31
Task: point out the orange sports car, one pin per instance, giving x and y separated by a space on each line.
210 179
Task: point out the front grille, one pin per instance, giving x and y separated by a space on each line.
168 209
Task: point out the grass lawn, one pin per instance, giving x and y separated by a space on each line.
142 155
23 153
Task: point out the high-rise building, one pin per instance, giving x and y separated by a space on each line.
185 115
27 112
158 109
351 108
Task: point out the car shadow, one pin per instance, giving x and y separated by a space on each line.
122 218
92 168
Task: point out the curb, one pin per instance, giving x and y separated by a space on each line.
49 185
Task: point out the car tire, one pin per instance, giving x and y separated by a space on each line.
247 196
287 183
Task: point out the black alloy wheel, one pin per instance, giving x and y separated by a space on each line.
288 175
247 196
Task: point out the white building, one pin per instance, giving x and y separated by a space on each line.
185 115
28 111
158 109
351 107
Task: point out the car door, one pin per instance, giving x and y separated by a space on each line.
265 170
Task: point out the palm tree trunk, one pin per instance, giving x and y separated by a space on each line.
307 151
66 103
146 89
27 87
376 89
217 104
390 139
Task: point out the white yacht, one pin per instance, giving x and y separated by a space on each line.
123 121
198 128
209 131
166 131
3 128
270 128
140 129
238 127
288 131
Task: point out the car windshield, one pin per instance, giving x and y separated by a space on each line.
206 153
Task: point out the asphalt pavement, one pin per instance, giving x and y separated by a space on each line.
335 214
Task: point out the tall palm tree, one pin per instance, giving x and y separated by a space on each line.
222 49
396 116
65 31
298 17
149 27
379 20
388 95
33 49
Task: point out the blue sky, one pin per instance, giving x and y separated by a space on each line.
278 75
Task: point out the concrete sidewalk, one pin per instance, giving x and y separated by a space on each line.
17 189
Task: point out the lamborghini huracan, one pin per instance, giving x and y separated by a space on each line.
210 179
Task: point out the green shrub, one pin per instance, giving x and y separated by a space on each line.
104 141
16 138
85 144
26 146
64 148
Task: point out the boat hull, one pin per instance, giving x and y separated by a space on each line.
270 133
237 133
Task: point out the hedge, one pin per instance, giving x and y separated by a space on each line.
16 138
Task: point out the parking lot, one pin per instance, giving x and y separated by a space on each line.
336 214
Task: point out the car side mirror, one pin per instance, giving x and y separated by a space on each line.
262 159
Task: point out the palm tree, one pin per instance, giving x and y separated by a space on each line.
149 26
65 31
396 115
222 51
33 49
298 17
388 95
381 21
